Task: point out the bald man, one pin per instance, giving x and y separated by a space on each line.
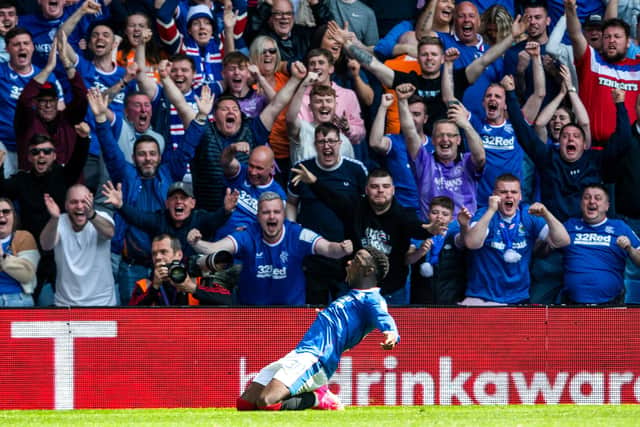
251 180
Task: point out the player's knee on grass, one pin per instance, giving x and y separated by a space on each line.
245 405
275 392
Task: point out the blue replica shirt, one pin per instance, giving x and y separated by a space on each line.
8 285
247 208
398 164
43 30
473 95
490 276
593 263
344 324
272 272
503 155
11 85
93 77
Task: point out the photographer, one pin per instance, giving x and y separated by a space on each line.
171 283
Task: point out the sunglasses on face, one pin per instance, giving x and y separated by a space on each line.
45 151
5 212
271 50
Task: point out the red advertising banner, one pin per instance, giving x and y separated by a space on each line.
204 357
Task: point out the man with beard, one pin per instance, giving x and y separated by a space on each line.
102 72
144 183
344 175
135 123
431 56
519 61
46 176
376 220
80 239
594 261
271 252
564 171
598 73
500 239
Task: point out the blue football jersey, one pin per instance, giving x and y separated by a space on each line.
343 324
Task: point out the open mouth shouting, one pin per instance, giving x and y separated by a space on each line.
468 31
492 108
142 123
325 115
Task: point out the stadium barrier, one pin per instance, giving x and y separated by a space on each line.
204 357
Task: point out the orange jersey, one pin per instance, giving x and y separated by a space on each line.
406 64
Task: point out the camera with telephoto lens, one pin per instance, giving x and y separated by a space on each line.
177 271
217 261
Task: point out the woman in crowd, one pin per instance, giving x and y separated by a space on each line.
136 23
19 258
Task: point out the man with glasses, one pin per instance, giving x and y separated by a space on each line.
45 176
277 22
14 76
325 277
446 172
45 118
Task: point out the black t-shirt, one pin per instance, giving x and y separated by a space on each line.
431 91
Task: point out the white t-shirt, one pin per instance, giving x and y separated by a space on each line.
83 260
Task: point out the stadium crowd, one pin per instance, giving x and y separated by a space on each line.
489 149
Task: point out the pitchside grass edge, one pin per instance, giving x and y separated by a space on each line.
513 415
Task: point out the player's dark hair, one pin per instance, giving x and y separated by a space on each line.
442 201
380 262
174 241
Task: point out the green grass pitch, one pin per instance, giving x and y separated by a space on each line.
515 415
